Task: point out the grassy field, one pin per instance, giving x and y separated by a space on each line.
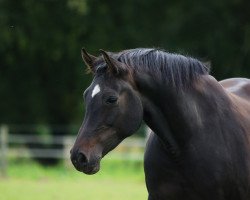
118 180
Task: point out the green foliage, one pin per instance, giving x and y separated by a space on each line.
41 73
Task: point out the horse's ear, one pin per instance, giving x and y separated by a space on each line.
114 66
88 60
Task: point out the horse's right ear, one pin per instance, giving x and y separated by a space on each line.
88 60
114 66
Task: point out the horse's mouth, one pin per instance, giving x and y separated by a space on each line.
90 169
87 166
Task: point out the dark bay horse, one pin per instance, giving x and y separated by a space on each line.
199 148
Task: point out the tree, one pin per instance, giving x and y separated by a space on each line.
42 76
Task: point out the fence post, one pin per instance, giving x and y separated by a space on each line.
66 152
3 149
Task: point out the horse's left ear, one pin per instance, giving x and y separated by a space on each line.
114 66
88 60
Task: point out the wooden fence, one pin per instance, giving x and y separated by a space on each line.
14 145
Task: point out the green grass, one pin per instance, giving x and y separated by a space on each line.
118 180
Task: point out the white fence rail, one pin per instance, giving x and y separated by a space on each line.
29 146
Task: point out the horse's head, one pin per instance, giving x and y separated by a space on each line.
113 112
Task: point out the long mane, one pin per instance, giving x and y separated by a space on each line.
174 69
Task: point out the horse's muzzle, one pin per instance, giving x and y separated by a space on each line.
86 164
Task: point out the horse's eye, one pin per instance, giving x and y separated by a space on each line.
111 100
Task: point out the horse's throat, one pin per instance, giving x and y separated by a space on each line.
156 120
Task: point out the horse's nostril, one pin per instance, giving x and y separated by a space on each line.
81 158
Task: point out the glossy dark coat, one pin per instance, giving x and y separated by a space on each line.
200 146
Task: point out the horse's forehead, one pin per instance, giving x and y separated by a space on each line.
100 85
106 81
95 90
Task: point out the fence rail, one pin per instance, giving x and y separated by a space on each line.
19 146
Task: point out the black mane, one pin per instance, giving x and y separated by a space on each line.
174 69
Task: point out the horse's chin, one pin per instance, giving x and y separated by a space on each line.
91 169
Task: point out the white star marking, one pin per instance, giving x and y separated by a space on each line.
96 90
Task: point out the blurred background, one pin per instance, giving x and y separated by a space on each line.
42 79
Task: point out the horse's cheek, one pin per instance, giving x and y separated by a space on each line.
111 118
133 118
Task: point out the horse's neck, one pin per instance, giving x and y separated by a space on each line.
199 124
163 114
175 115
